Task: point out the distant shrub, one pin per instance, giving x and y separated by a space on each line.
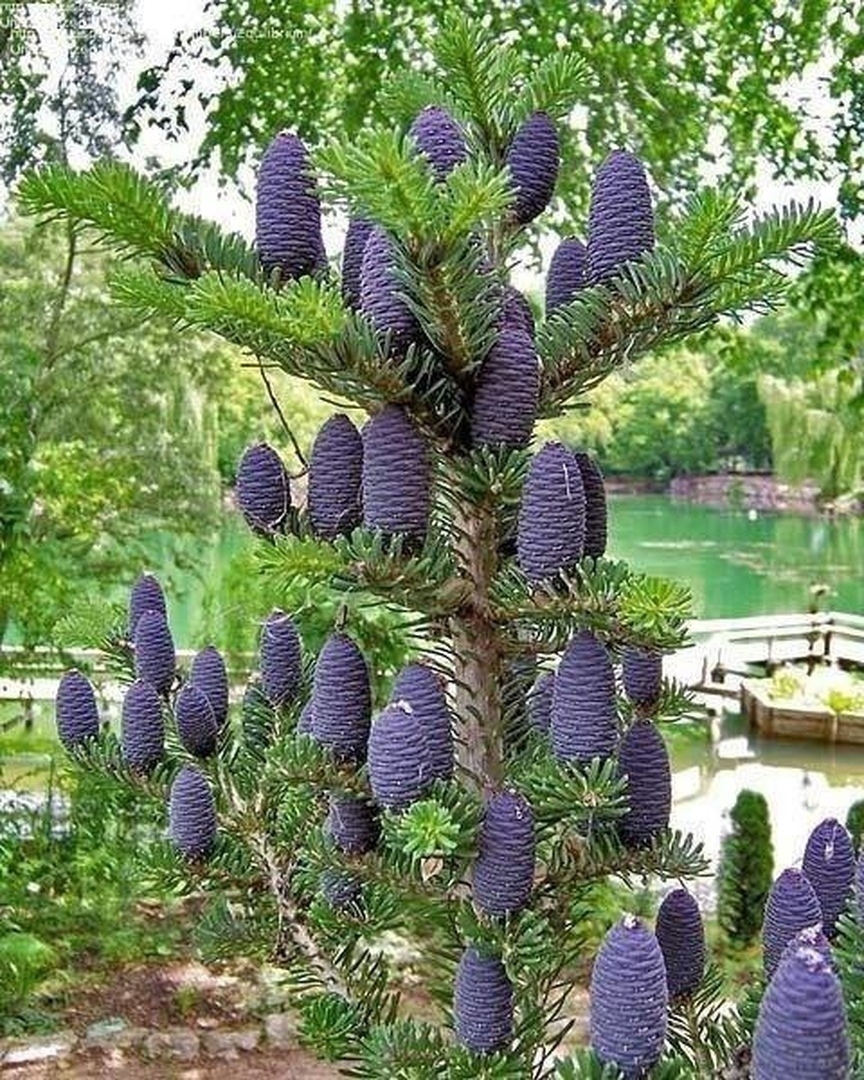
746 869
855 822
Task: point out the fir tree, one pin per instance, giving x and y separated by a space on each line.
328 818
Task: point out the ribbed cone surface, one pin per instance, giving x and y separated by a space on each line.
439 138
287 209
503 873
801 1032
154 651
353 824
209 674
629 999
566 276
482 1003
395 474
341 890
507 390
620 218
196 724
146 595
352 259
424 691
792 906
596 514
642 671
533 158
306 719
829 863
551 525
399 768
811 937
192 814
263 493
381 294
335 476
644 760
540 702
583 702
681 937
343 699
75 710
858 888
517 311
280 655
258 719
142 727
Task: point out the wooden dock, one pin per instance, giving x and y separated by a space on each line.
804 719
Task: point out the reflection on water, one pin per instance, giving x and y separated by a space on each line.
803 782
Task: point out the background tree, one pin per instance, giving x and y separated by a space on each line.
746 869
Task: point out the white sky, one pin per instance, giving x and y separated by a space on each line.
161 20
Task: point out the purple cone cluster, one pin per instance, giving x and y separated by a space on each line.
192 814
76 712
146 595
396 475
263 491
507 391
196 722
551 525
399 767
288 210
280 658
681 937
532 159
440 139
629 999
644 760
503 873
142 727
584 722
423 690
209 675
155 660
642 671
335 476
342 700
620 217
792 906
482 1003
829 864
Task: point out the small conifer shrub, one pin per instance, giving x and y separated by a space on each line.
455 807
746 869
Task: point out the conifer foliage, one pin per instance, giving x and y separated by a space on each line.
467 810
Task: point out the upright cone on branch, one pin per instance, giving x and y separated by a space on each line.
440 139
482 1003
829 863
400 770
595 505
644 760
155 659
583 703
196 724
280 656
287 210
209 674
353 824
142 727
419 685
507 391
551 526
566 276
358 232
503 872
76 712
192 814
642 671
792 907
540 702
533 158
146 595
396 475
342 700
381 294
263 490
621 218
335 477
681 937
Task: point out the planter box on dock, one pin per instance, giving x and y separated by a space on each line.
802 719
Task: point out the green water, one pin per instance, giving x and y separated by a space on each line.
736 566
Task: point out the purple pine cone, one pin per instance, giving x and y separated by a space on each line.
533 158
75 710
154 651
811 937
620 219
395 475
146 595
263 493
801 1031
341 890
792 906
566 274
210 675
399 767
551 526
517 311
829 863
644 760
583 702
681 937
595 505
343 700
279 653
503 873
482 1003
540 702
381 300
858 888
423 690
629 999
196 724
440 139
642 670
306 719
353 824
192 814
352 259
287 210
507 391
142 728
335 476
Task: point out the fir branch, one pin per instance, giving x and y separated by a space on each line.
553 86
